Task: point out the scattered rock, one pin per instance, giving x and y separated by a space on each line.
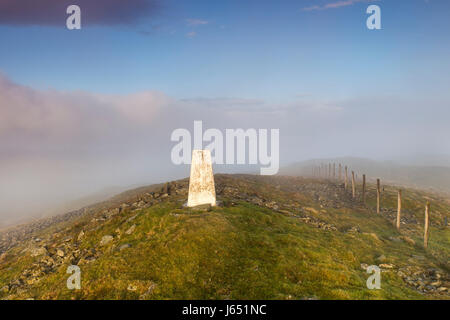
395 239
311 210
80 235
38 252
106 239
354 229
425 280
131 287
132 218
149 291
401 274
131 229
139 204
124 246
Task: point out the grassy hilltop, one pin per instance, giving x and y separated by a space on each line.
270 238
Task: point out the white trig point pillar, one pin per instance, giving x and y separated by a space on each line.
201 182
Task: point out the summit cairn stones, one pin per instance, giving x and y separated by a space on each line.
201 182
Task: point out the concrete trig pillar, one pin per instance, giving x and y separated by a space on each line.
201 182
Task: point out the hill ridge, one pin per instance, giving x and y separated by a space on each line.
313 226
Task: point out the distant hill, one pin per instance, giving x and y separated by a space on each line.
425 160
436 178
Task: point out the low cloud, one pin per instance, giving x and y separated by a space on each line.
94 12
225 103
57 146
196 22
58 114
191 34
333 5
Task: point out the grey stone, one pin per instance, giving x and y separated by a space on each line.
106 239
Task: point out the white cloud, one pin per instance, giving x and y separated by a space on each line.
334 5
196 22
191 34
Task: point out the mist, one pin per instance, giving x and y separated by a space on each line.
59 149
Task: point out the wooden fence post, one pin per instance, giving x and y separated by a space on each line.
345 178
334 171
340 172
427 221
378 195
399 208
364 189
329 171
353 185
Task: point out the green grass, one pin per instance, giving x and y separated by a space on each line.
239 252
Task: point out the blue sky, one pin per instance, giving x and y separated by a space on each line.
252 49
